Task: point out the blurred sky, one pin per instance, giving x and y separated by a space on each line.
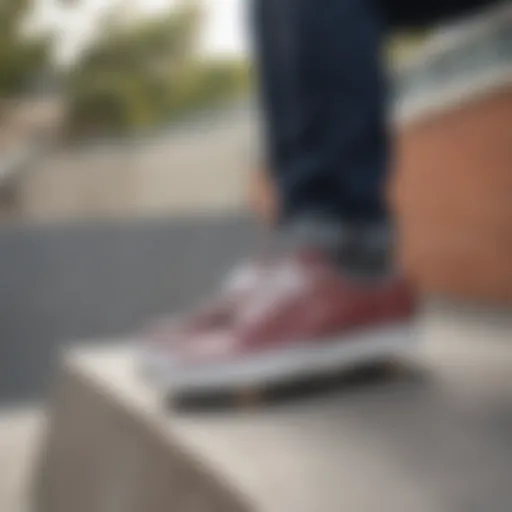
75 21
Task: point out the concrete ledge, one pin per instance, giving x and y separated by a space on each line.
21 428
439 441
108 448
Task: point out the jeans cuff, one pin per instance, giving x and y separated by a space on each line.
359 248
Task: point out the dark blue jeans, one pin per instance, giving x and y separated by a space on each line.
324 97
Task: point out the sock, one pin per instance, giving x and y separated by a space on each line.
362 250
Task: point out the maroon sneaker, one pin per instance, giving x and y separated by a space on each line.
305 319
216 312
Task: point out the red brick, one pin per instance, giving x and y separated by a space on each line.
452 194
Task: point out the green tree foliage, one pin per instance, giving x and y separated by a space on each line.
21 57
144 74
205 84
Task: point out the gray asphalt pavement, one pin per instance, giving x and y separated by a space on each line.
81 281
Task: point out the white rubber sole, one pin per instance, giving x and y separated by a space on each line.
292 363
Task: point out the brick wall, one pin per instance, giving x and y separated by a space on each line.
452 195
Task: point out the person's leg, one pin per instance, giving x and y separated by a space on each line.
324 100
302 313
